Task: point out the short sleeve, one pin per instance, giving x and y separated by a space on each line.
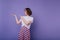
32 20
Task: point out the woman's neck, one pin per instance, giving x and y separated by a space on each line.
27 15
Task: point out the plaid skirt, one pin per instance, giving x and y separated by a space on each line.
24 34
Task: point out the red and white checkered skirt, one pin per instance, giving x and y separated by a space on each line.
24 34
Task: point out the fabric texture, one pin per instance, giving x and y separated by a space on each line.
27 18
24 34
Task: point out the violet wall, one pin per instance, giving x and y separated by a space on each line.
46 15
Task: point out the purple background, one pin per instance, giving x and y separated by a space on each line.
46 15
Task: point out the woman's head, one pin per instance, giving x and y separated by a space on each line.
28 11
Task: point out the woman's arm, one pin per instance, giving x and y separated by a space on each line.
25 21
17 21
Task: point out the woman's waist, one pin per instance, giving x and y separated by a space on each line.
26 26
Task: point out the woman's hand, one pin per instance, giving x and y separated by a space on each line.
13 14
17 21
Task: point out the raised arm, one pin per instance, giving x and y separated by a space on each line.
17 21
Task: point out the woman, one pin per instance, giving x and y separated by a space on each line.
26 21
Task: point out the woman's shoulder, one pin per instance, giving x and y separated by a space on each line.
30 17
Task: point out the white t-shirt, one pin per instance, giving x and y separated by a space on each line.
27 18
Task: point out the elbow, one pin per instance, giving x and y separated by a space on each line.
18 23
27 23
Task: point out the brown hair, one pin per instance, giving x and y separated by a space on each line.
29 12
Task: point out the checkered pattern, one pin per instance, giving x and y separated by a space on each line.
24 34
